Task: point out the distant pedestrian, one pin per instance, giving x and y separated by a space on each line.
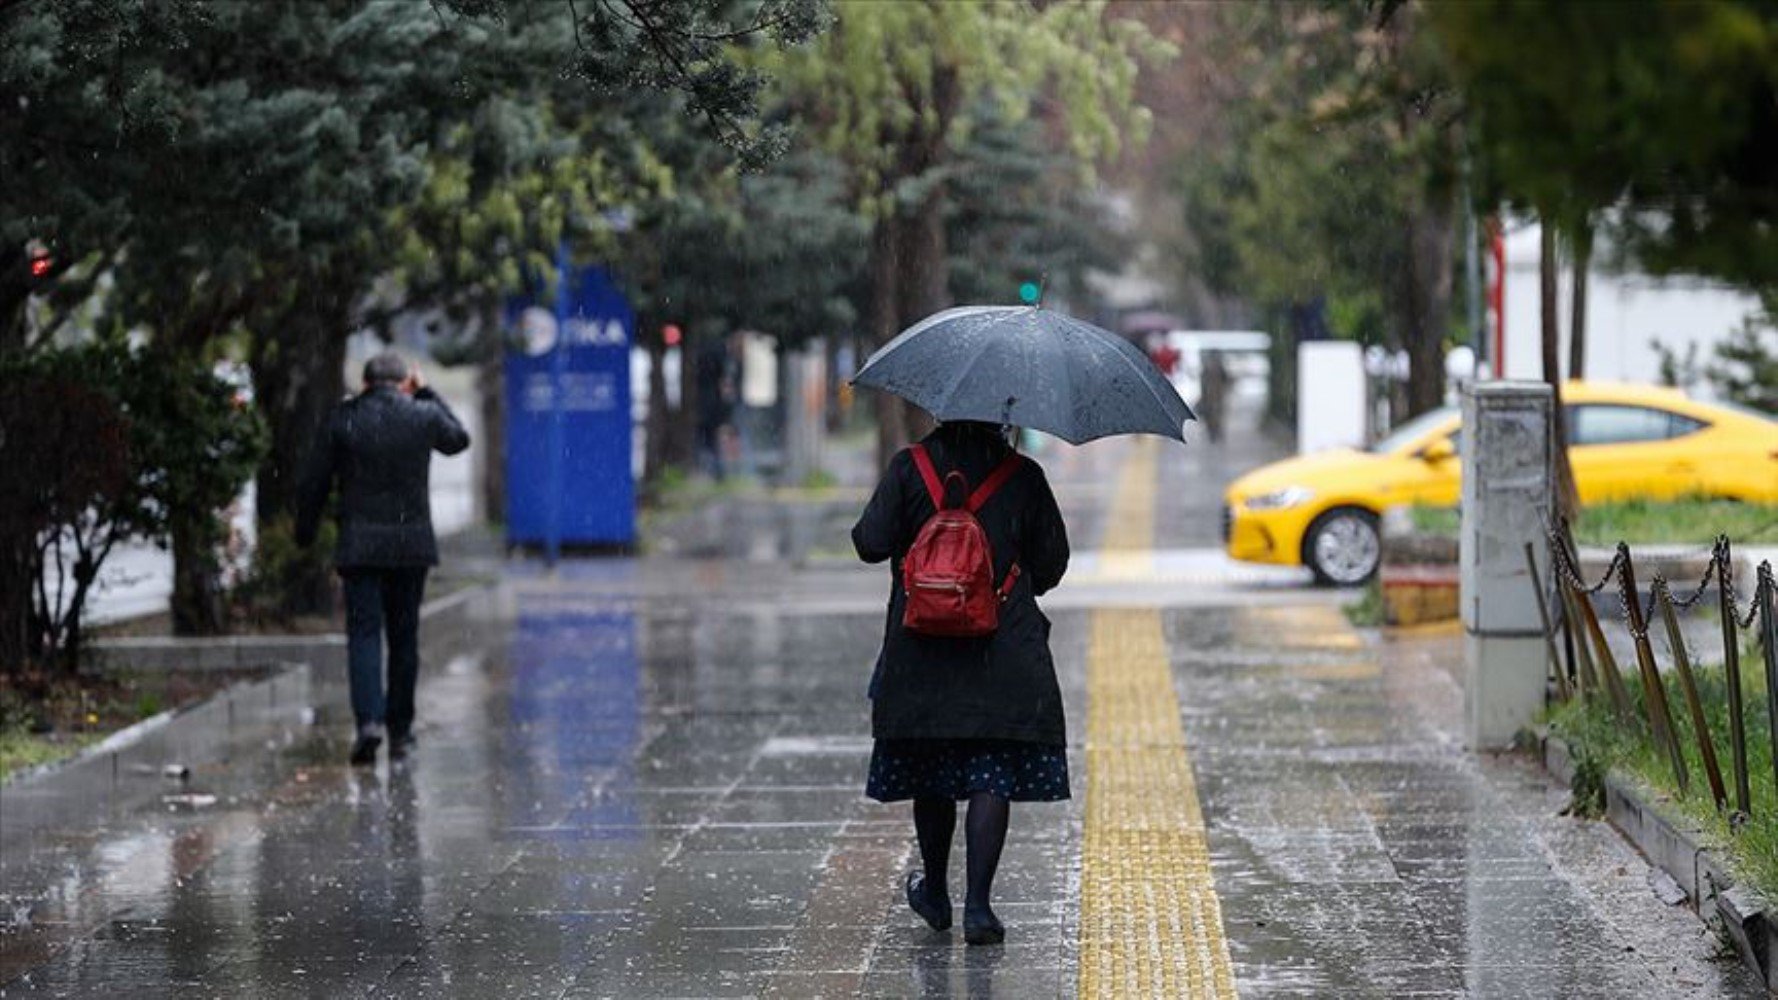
714 376
976 719
378 447
1213 392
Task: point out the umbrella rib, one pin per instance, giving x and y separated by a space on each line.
1141 377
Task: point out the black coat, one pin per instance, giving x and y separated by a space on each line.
379 446
1001 686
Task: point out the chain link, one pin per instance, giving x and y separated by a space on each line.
1564 565
1721 570
1718 558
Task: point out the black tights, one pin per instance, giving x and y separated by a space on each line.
984 834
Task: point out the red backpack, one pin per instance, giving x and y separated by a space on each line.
948 573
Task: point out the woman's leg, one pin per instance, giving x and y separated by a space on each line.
935 820
986 835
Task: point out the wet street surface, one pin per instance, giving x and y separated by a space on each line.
644 779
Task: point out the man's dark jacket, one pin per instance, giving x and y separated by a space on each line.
379 446
999 687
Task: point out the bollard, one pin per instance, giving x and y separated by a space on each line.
1654 693
1731 665
1506 487
1682 664
1765 595
1549 630
1614 681
1586 678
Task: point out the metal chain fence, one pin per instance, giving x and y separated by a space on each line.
1591 665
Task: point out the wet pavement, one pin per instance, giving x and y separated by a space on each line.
642 779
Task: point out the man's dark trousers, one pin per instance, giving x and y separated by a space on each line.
383 602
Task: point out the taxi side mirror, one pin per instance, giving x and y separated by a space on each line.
1438 451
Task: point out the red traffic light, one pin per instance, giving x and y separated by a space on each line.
671 336
40 265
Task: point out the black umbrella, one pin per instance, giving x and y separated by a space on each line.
1028 367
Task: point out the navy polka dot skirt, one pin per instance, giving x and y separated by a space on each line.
956 769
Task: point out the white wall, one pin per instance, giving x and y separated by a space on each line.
1624 312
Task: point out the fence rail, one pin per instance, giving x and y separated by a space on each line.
1585 667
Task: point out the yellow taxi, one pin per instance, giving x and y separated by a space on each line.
1625 441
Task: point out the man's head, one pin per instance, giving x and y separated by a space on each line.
387 368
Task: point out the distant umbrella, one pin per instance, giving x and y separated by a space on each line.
1027 367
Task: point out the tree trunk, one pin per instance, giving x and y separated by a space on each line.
1566 500
15 292
1426 301
685 418
924 282
298 376
197 606
884 319
490 384
1577 324
656 448
16 583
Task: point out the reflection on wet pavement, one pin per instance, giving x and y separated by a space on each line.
1361 852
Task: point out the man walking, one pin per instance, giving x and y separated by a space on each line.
378 445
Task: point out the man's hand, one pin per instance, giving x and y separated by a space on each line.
414 381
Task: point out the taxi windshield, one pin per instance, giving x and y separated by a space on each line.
1400 437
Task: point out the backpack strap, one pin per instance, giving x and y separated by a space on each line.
1006 585
996 479
934 488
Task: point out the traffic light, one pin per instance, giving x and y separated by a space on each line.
41 261
1030 293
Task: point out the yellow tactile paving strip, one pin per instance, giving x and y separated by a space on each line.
1150 923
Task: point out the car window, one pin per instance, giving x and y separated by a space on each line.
1616 424
1411 431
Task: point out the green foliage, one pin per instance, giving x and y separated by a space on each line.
1600 744
1663 112
1369 610
1695 521
90 111
892 80
1745 369
1330 205
1018 213
281 568
108 443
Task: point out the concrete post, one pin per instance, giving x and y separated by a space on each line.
1506 501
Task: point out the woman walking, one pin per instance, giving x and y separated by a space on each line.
965 709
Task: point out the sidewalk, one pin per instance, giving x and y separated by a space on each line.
645 782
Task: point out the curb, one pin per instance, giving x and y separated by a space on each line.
233 652
126 768
1678 848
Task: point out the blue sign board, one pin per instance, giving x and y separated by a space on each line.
568 429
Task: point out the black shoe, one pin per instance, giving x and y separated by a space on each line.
401 746
936 913
364 751
982 927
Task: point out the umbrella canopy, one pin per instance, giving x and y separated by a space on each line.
1028 367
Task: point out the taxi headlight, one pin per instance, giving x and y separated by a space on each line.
1283 499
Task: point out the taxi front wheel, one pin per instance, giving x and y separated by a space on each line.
1343 547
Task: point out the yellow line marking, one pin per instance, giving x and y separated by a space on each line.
1150 922
1127 551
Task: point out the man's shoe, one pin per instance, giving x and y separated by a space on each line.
401 746
364 751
